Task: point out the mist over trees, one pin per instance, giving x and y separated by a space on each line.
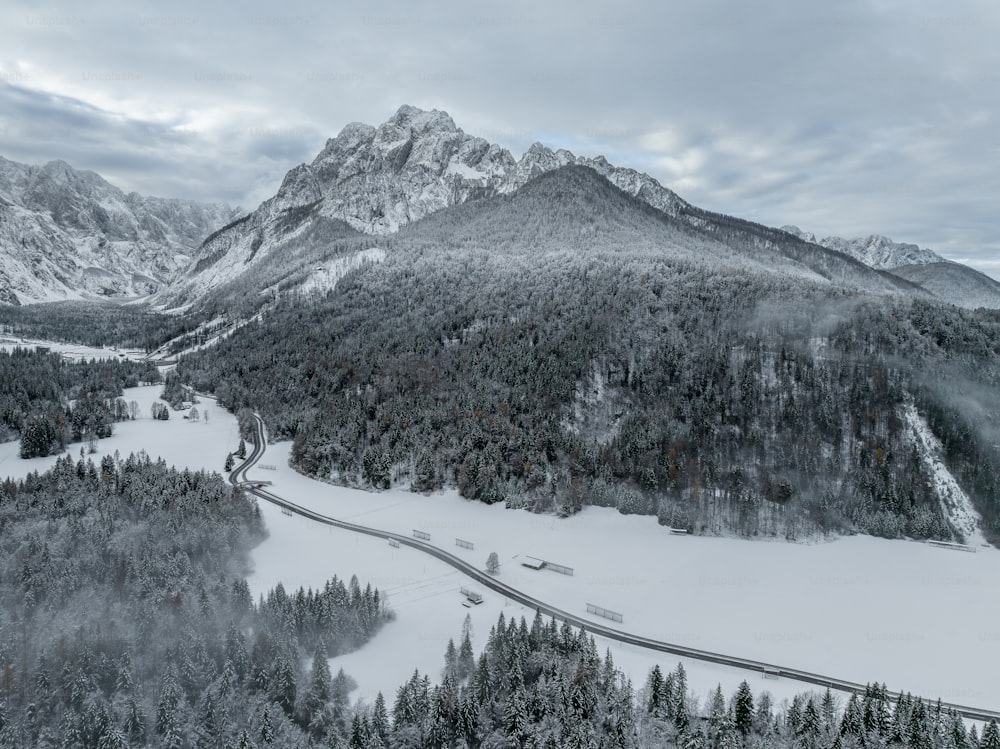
125 618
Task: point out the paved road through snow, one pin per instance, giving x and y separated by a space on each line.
238 478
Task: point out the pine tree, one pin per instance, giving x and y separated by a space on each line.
318 694
991 736
810 726
743 710
852 722
680 696
283 686
516 720
166 711
229 463
266 729
380 720
241 451
828 709
466 655
654 685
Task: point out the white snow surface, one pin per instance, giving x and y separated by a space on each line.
856 608
955 502
72 351
325 277
919 618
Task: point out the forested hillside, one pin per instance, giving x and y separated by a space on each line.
556 351
125 618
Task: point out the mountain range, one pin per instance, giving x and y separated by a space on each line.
69 234
376 180
947 280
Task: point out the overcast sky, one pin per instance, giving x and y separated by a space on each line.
844 118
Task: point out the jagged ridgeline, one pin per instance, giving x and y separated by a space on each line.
568 344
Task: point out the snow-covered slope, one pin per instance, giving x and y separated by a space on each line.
68 234
955 503
954 283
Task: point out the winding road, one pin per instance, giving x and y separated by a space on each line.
257 488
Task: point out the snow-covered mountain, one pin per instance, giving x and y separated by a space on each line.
949 281
376 180
69 234
875 250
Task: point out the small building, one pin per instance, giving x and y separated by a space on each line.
471 596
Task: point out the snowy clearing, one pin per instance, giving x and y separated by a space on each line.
858 608
73 351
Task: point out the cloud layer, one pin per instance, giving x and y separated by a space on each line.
850 119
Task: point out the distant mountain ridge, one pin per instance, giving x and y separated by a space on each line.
70 234
875 250
949 281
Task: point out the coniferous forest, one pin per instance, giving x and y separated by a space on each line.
126 619
546 685
720 403
92 324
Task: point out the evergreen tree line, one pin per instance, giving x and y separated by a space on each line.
717 401
545 685
93 324
126 619
49 402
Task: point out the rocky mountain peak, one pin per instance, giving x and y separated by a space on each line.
418 120
378 179
875 250
806 236
878 251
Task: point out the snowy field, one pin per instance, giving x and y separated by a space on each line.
919 618
74 351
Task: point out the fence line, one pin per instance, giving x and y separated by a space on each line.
606 613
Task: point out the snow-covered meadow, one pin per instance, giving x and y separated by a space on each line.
74 351
919 618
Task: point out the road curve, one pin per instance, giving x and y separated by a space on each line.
238 478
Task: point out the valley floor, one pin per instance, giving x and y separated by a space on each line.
919 618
